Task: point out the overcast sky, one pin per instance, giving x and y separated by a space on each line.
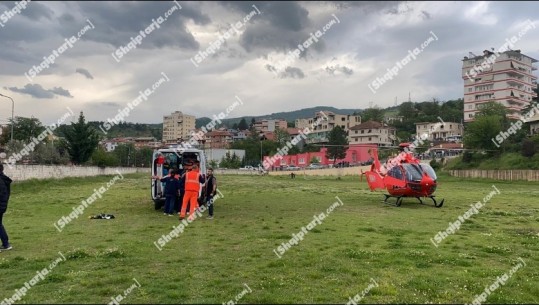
362 40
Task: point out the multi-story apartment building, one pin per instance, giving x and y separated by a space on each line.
270 125
372 132
323 122
177 126
447 131
218 139
505 78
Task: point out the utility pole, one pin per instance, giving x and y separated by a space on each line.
12 112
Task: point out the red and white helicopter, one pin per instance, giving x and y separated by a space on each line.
403 176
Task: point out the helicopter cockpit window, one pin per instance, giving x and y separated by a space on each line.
413 172
396 172
429 170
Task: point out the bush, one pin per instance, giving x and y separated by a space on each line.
467 157
528 148
102 158
435 165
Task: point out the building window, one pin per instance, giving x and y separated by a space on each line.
369 138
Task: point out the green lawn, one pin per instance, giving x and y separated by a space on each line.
212 261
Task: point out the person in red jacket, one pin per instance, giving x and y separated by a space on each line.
193 179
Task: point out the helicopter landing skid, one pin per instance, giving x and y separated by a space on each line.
436 204
397 204
400 198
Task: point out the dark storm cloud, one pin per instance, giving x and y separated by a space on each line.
289 72
281 26
287 16
60 91
270 68
365 7
84 72
116 22
36 11
292 72
37 91
343 69
425 15
259 37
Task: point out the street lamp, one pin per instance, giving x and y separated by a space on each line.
12 111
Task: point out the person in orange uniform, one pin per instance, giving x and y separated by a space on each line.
193 179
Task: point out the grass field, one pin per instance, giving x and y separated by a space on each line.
361 242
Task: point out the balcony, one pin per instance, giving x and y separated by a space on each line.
515 81
519 87
483 98
513 101
515 74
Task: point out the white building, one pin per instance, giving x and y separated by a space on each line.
320 132
447 131
372 132
506 78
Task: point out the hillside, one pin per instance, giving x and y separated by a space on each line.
290 116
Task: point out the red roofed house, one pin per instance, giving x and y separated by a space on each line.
218 139
372 132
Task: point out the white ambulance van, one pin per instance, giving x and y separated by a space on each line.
174 157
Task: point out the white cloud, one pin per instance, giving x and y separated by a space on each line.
478 13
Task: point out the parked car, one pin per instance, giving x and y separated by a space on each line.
293 168
247 168
314 166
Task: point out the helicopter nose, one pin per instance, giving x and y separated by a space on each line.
427 183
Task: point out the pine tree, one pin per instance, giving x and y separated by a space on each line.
81 140
338 144
243 125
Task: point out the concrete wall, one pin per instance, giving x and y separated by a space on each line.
24 172
346 171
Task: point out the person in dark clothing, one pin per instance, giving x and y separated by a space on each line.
172 186
211 188
5 192
179 197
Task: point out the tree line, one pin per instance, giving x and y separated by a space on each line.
78 144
